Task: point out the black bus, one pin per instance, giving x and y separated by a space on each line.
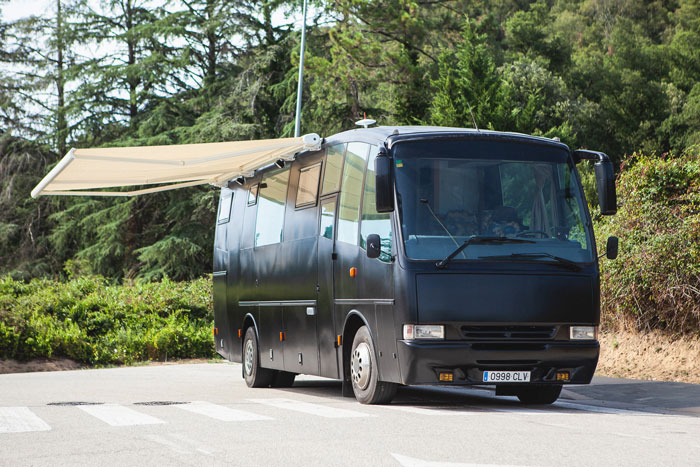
414 255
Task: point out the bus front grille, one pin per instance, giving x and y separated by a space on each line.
510 347
508 332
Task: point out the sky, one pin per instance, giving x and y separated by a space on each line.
16 9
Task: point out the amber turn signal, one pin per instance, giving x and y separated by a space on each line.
215 331
353 272
563 376
448 377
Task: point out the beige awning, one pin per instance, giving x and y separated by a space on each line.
169 167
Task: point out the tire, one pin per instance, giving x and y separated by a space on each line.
363 372
255 376
539 394
283 379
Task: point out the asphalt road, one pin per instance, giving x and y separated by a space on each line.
205 415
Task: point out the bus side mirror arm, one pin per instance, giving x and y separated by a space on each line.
604 177
384 181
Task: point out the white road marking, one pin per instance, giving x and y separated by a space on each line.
313 409
118 415
176 447
406 461
20 420
427 411
219 412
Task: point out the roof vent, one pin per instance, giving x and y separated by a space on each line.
365 122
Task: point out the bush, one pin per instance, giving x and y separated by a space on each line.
92 321
655 282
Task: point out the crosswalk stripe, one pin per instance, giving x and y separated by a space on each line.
118 415
313 409
20 420
426 410
219 412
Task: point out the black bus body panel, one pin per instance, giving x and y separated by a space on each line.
464 297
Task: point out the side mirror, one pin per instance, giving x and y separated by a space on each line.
604 177
605 180
374 246
383 182
612 247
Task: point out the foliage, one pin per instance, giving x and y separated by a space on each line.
620 77
89 320
655 282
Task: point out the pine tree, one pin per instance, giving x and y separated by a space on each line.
469 88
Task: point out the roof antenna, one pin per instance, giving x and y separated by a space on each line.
473 119
365 122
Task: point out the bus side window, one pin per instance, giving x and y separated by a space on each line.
372 221
308 186
334 165
351 193
272 196
225 207
327 218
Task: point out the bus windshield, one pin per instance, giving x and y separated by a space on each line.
449 192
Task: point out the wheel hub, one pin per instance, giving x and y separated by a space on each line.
249 356
361 366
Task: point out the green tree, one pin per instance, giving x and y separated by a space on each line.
469 87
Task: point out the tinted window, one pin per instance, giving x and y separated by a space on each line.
334 164
272 195
225 206
351 194
327 219
372 221
308 185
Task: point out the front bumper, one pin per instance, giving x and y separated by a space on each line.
421 362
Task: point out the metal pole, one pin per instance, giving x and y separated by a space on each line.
300 84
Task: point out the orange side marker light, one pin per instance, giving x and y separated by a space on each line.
339 340
353 272
215 331
240 332
283 336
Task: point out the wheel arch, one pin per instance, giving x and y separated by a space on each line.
249 321
354 320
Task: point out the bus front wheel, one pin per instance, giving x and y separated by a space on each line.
364 372
255 376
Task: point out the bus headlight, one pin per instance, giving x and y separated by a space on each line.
423 331
580 333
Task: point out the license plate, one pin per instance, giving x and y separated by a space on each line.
506 376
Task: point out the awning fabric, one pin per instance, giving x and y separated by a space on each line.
169 167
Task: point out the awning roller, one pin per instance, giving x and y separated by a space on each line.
175 166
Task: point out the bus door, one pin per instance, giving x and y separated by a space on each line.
327 257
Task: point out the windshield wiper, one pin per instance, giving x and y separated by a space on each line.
559 260
478 239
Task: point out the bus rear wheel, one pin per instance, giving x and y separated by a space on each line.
255 376
364 372
544 394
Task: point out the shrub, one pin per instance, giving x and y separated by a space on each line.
655 282
92 321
